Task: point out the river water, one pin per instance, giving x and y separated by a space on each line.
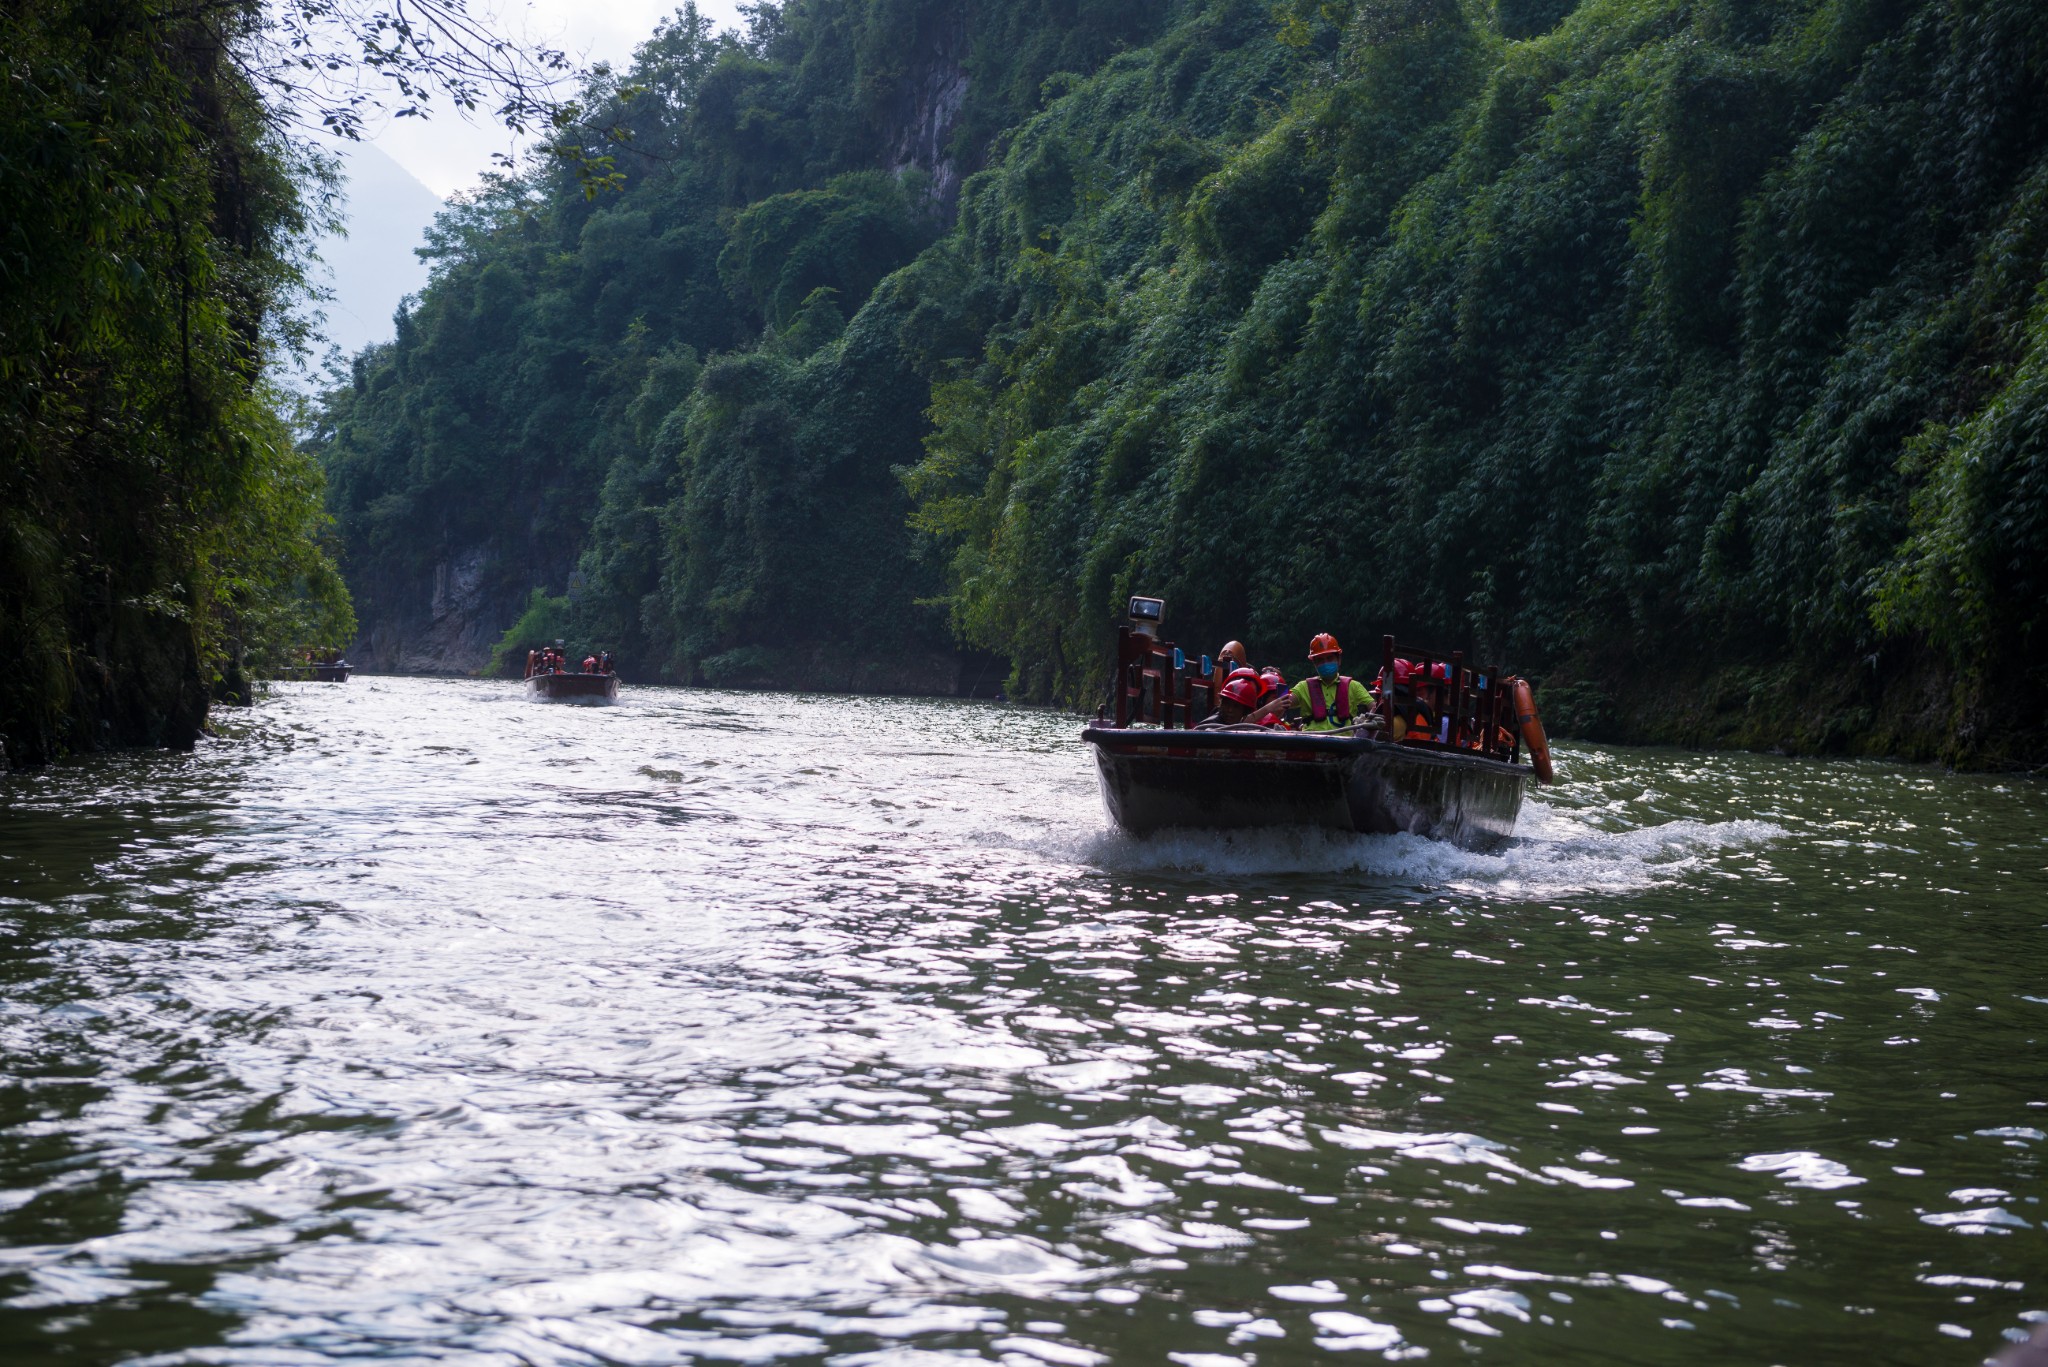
414 1021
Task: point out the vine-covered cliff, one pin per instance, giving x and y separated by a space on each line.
1685 353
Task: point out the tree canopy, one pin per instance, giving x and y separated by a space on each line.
163 538
1684 353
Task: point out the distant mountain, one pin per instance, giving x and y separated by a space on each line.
372 267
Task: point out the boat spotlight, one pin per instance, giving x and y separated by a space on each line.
1146 614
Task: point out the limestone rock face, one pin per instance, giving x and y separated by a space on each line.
447 625
929 110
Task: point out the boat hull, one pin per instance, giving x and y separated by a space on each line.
589 689
1155 780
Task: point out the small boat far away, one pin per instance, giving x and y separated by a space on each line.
319 666
1454 774
550 679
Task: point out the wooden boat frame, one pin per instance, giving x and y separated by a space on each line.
1154 780
566 687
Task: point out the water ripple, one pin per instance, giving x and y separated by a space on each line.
411 1020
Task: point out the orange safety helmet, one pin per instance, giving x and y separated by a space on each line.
1324 646
1233 650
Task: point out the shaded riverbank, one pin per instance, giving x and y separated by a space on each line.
1901 707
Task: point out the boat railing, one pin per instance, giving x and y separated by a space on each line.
1155 683
1445 703
1375 722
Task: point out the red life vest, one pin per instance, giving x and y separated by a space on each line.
1319 709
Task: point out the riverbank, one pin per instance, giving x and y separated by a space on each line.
1895 705
133 680
1912 715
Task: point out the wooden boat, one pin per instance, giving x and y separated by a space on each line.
1461 780
567 687
1226 780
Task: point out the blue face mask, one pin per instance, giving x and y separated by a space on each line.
1327 669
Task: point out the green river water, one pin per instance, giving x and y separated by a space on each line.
412 1021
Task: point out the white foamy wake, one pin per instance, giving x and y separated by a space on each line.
1555 852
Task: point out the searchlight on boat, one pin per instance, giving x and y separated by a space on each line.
1146 614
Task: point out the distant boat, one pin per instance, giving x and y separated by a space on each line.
326 671
1457 780
578 688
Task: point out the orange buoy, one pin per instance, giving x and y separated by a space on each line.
1532 732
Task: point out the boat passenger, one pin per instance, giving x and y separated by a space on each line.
1247 688
1415 692
1235 703
590 664
1397 688
1233 660
1326 700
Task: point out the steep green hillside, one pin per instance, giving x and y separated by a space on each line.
638 382
159 532
1687 354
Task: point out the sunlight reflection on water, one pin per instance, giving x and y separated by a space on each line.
417 1020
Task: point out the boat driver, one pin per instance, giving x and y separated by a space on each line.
1326 700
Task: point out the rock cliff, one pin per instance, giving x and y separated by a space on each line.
444 623
928 113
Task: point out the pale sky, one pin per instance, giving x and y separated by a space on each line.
374 266
448 153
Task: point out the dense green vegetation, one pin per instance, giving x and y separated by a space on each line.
684 392
159 532
1688 353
